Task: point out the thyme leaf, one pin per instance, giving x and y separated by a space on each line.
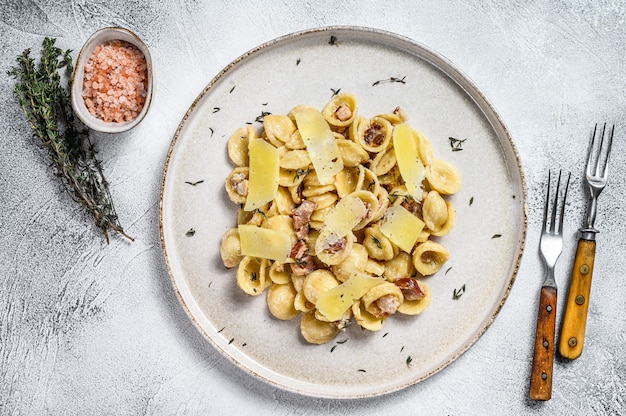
335 91
299 173
458 292
260 118
44 96
389 80
456 144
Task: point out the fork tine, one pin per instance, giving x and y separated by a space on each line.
605 171
545 209
556 201
590 151
560 230
599 156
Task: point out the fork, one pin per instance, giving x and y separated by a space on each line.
575 318
550 247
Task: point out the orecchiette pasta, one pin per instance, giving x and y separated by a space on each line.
353 257
280 301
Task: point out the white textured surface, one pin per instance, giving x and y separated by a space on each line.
87 328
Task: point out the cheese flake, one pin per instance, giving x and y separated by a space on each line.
401 227
263 176
336 301
320 144
345 216
411 167
264 242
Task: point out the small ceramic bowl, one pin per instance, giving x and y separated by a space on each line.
77 100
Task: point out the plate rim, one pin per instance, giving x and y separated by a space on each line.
462 81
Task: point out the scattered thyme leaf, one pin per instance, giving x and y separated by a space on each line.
361 370
394 196
456 144
471 201
232 89
231 341
390 80
190 233
342 342
458 292
449 268
223 328
211 129
260 118
216 109
496 236
408 361
194 183
377 242
333 40
333 348
299 173
335 91
297 61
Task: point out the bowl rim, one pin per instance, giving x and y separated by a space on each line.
80 109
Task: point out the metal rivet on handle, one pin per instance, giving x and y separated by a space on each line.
544 376
580 299
584 269
572 342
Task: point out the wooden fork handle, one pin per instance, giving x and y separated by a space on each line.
543 359
574 323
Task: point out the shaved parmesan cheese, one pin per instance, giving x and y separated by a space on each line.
336 301
345 216
320 143
411 167
264 242
263 177
401 227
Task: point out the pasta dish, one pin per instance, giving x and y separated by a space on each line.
339 216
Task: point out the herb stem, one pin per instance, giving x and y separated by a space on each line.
46 104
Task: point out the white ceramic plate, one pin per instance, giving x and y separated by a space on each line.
486 244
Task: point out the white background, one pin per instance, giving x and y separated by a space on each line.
89 328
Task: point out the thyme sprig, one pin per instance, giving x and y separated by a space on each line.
46 104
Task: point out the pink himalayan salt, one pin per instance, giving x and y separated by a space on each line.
114 85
